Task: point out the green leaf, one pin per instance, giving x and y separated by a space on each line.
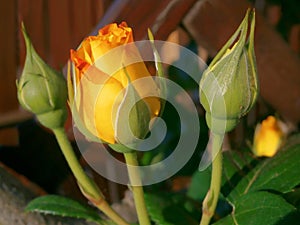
199 184
293 197
259 208
168 209
236 166
250 184
280 174
62 206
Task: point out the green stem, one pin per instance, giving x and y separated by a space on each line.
212 196
137 188
87 185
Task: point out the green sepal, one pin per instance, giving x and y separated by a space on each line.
120 148
160 72
132 117
220 126
53 119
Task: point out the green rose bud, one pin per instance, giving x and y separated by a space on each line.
229 86
42 90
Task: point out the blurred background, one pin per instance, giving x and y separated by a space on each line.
56 26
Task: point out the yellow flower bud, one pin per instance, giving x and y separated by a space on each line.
268 137
229 86
102 85
42 90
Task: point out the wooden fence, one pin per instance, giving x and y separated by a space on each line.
55 26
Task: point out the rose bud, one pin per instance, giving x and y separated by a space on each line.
41 89
268 137
111 87
229 86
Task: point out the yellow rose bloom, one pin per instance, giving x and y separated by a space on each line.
102 75
267 137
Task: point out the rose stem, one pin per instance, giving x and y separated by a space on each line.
137 190
87 185
210 202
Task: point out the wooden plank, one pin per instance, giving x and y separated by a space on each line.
143 16
59 32
171 17
111 14
8 60
161 16
69 22
80 21
8 67
28 12
212 22
83 22
13 118
97 10
54 27
294 38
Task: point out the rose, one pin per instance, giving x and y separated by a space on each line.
268 137
106 70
